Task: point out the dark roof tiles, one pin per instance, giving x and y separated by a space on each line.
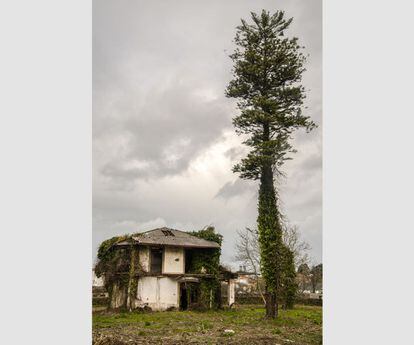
171 237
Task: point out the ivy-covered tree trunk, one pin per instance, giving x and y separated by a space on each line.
270 239
289 285
267 73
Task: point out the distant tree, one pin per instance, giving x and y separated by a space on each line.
316 276
247 250
267 73
303 277
304 268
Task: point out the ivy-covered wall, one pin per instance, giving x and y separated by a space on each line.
120 267
207 260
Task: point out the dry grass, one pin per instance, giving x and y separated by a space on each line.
302 325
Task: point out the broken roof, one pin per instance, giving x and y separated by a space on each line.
171 237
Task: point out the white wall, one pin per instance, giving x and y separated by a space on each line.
168 288
147 290
231 292
173 260
158 293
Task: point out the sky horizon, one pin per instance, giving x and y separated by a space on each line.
163 140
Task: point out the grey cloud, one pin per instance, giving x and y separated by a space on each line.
234 153
310 168
166 135
159 74
236 189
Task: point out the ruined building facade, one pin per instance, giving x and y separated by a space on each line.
166 271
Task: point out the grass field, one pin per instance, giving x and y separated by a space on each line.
302 325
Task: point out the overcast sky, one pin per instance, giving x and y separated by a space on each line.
163 142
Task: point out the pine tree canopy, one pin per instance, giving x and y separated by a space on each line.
267 73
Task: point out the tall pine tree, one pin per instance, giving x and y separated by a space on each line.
266 81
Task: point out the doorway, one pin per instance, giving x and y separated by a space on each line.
189 295
183 297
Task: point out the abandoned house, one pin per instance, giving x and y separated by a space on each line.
165 269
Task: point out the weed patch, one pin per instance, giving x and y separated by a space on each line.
301 325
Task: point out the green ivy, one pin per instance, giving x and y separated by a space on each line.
209 259
120 265
289 286
114 263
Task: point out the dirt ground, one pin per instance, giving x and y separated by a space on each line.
300 326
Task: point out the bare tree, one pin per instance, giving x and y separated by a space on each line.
299 247
248 252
